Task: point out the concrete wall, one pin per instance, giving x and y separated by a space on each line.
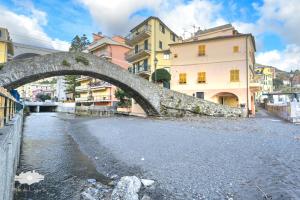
289 111
95 111
66 107
10 141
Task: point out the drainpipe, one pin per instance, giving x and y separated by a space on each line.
247 74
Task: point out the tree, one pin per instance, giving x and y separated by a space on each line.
162 76
123 97
71 85
78 44
43 97
277 83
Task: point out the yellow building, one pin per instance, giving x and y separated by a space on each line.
150 41
264 75
6 46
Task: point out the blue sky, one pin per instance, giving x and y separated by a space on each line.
274 23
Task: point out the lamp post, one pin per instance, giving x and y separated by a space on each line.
291 79
155 65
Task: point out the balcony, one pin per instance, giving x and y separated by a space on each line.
82 88
143 70
255 86
93 86
138 36
100 98
83 78
137 53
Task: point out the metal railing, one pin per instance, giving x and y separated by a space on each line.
138 50
143 29
8 107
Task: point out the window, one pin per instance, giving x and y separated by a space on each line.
234 75
200 95
202 77
162 28
201 50
182 78
0 33
160 44
146 45
136 49
175 55
173 37
166 56
236 49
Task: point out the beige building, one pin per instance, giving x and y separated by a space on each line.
216 65
150 42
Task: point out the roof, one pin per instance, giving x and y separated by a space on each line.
148 19
105 41
217 38
226 26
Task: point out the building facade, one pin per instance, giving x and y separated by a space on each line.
216 65
150 50
265 76
96 92
6 46
30 91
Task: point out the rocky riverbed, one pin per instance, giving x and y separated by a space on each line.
199 158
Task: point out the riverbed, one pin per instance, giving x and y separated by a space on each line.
206 158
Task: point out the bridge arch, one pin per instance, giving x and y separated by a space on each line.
20 72
155 100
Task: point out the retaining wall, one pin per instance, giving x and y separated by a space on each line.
10 142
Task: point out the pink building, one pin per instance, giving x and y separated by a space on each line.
96 92
216 65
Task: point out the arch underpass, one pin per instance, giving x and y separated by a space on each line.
156 101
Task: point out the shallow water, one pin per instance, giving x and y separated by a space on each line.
49 150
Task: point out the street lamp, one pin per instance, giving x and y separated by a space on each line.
291 79
155 65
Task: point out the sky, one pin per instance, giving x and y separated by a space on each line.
54 23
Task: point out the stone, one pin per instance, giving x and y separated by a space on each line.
91 181
87 196
155 100
147 182
146 197
127 189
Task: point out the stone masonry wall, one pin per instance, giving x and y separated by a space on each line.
10 141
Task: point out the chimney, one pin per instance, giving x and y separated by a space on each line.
118 39
97 36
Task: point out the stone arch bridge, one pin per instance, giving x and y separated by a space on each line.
155 100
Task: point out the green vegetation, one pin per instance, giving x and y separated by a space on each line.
81 59
197 109
71 85
278 83
79 44
1 66
162 75
124 98
66 63
43 97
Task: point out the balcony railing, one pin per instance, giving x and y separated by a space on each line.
98 98
139 52
137 36
8 107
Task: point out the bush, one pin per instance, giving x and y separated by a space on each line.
81 59
1 66
162 75
66 63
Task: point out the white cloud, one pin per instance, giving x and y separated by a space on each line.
29 29
201 14
288 59
117 17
